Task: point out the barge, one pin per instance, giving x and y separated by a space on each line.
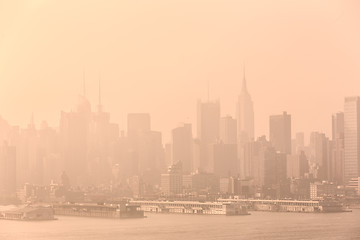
28 213
116 211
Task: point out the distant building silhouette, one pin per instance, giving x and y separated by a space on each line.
280 132
208 130
172 182
228 130
338 147
7 170
352 138
245 115
182 143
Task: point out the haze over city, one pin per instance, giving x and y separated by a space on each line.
162 113
300 56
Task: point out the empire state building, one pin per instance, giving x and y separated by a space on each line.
245 115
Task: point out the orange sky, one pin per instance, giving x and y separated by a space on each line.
157 56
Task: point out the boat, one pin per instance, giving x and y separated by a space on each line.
29 213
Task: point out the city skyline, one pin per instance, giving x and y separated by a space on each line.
97 106
173 114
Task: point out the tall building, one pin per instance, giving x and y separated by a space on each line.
338 125
280 132
351 138
101 137
74 131
320 155
245 115
182 142
208 121
228 130
337 153
208 124
298 144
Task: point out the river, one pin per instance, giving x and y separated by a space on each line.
258 225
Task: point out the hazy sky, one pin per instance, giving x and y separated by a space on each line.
157 56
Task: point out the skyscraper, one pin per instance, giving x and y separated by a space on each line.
338 125
280 132
352 138
245 115
208 124
208 121
182 142
337 154
228 130
74 130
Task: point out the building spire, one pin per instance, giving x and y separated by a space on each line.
208 90
99 94
244 88
84 88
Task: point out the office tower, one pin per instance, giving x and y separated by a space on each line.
182 142
320 155
352 138
208 124
275 184
338 148
280 132
172 182
137 122
146 147
245 115
74 130
298 144
228 132
208 121
254 160
150 156
7 170
101 138
338 125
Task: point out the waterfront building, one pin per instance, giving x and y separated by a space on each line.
172 182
